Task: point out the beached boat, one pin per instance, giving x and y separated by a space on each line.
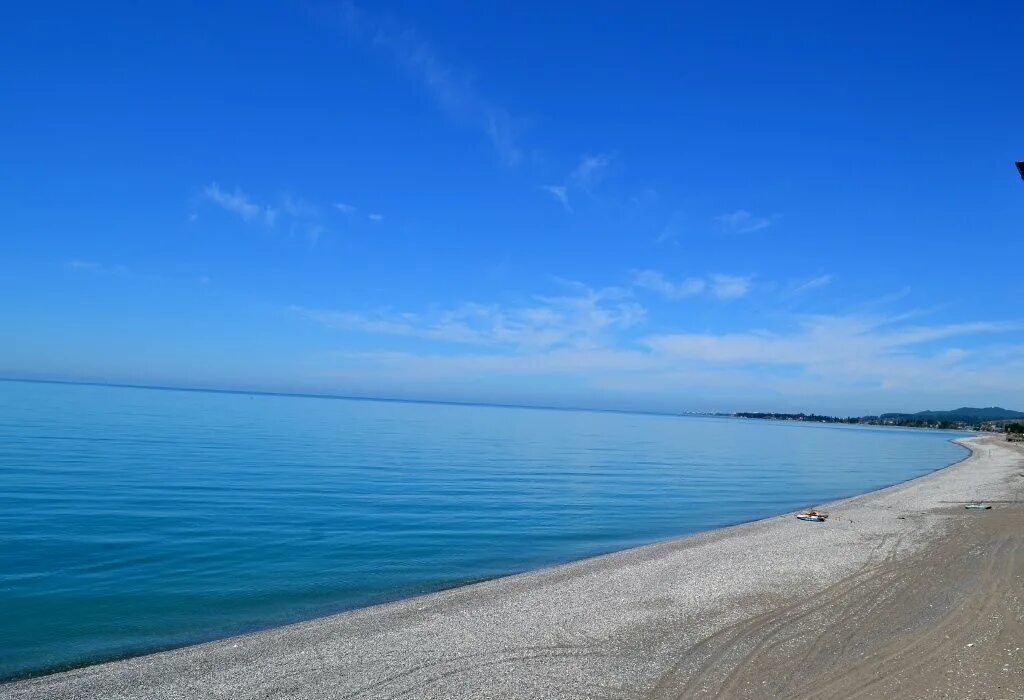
811 516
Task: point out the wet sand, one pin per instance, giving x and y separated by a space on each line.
901 593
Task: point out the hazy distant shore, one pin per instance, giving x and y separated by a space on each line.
901 588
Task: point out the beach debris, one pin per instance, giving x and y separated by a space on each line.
978 506
811 516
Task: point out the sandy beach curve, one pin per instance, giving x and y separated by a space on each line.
902 592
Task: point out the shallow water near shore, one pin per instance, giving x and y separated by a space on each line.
140 519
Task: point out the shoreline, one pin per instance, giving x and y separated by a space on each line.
392 600
332 612
616 620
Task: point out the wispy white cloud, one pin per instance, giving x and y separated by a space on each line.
826 357
717 285
350 209
574 320
238 202
583 178
591 170
644 199
560 193
452 89
97 268
296 216
812 283
602 339
742 221
832 357
657 282
673 229
299 209
843 350
730 286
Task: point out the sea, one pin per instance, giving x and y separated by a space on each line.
135 519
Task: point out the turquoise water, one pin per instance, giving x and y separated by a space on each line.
139 519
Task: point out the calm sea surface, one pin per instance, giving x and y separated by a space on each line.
139 519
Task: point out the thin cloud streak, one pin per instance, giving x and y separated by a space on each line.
595 338
657 282
730 286
452 90
560 193
97 268
872 367
590 171
583 319
820 342
238 202
127 274
296 216
813 283
583 178
724 287
742 221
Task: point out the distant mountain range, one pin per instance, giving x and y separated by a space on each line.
962 414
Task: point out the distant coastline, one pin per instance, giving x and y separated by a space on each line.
993 420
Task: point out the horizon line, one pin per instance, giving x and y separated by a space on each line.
438 402
347 397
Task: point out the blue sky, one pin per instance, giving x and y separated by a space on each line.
695 206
